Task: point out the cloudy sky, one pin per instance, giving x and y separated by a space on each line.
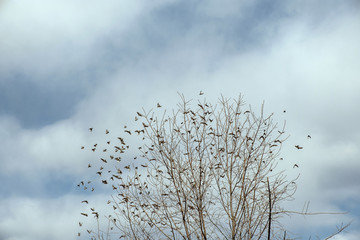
67 65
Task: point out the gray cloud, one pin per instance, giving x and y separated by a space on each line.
67 66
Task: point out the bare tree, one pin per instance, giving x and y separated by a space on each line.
207 172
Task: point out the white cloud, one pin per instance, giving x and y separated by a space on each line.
306 68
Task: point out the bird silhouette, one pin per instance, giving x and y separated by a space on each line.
295 166
308 136
298 147
82 147
90 129
158 105
201 93
107 131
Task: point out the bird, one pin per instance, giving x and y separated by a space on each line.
80 224
89 166
82 147
128 131
84 214
104 182
102 159
85 201
136 118
295 165
298 147
139 114
284 111
107 131
201 93
90 129
108 142
158 105
308 136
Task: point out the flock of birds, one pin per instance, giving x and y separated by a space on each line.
121 147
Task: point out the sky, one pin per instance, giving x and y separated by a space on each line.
69 65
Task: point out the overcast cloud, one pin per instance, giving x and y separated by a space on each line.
68 65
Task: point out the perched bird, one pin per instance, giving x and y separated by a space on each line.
295 166
298 147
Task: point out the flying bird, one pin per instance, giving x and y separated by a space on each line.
298 147
85 201
201 93
128 131
308 136
84 214
295 166
139 114
107 131
90 129
158 105
82 147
